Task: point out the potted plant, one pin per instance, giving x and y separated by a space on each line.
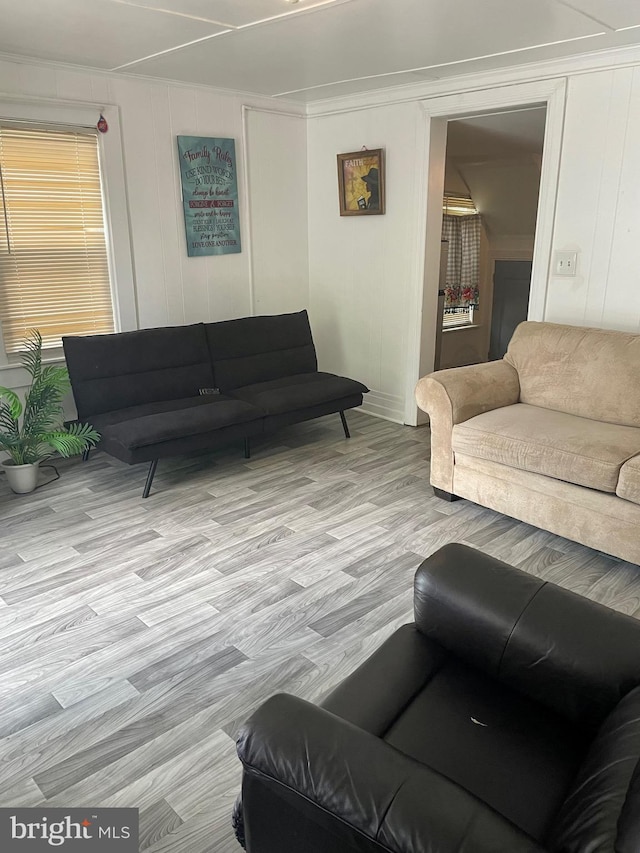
30 431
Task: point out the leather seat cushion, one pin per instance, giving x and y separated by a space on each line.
403 663
629 481
507 750
300 391
145 428
566 447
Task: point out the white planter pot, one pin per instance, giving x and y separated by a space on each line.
22 478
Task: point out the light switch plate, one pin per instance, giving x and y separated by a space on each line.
565 263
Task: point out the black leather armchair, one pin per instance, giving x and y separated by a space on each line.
505 720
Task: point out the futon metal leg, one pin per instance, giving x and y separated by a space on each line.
345 427
85 454
147 485
247 448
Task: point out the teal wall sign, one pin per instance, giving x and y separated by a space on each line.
208 169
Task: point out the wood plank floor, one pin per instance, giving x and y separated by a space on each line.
137 635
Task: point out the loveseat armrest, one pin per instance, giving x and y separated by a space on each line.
453 396
575 656
323 777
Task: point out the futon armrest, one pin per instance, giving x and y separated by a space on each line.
362 789
453 396
567 652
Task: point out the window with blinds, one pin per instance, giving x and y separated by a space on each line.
458 317
54 274
455 205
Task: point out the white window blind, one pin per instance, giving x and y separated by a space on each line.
456 205
460 317
54 274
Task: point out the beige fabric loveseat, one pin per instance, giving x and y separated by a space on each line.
549 435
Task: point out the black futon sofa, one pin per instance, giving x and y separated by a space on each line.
163 392
506 719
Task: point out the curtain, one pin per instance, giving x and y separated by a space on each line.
463 261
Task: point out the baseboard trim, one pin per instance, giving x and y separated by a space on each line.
389 407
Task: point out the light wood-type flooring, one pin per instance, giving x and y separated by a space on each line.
137 634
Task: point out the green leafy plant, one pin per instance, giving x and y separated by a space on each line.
29 432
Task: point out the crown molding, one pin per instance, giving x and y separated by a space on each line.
583 63
268 101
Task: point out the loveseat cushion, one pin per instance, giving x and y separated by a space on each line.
629 481
156 427
301 391
592 373
566 447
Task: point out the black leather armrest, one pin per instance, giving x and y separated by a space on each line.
363 789
571 654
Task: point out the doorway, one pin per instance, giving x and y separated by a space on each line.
492 174
438 112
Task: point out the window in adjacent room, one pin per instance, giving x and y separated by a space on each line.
462 230
54 270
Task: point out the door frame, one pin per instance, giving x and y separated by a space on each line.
432 140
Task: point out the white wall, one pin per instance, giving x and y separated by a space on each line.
172 288
598 208
360 266
361 270
277 178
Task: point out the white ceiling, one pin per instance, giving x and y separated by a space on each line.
496 160
310 49
506 135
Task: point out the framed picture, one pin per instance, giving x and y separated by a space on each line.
361 182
